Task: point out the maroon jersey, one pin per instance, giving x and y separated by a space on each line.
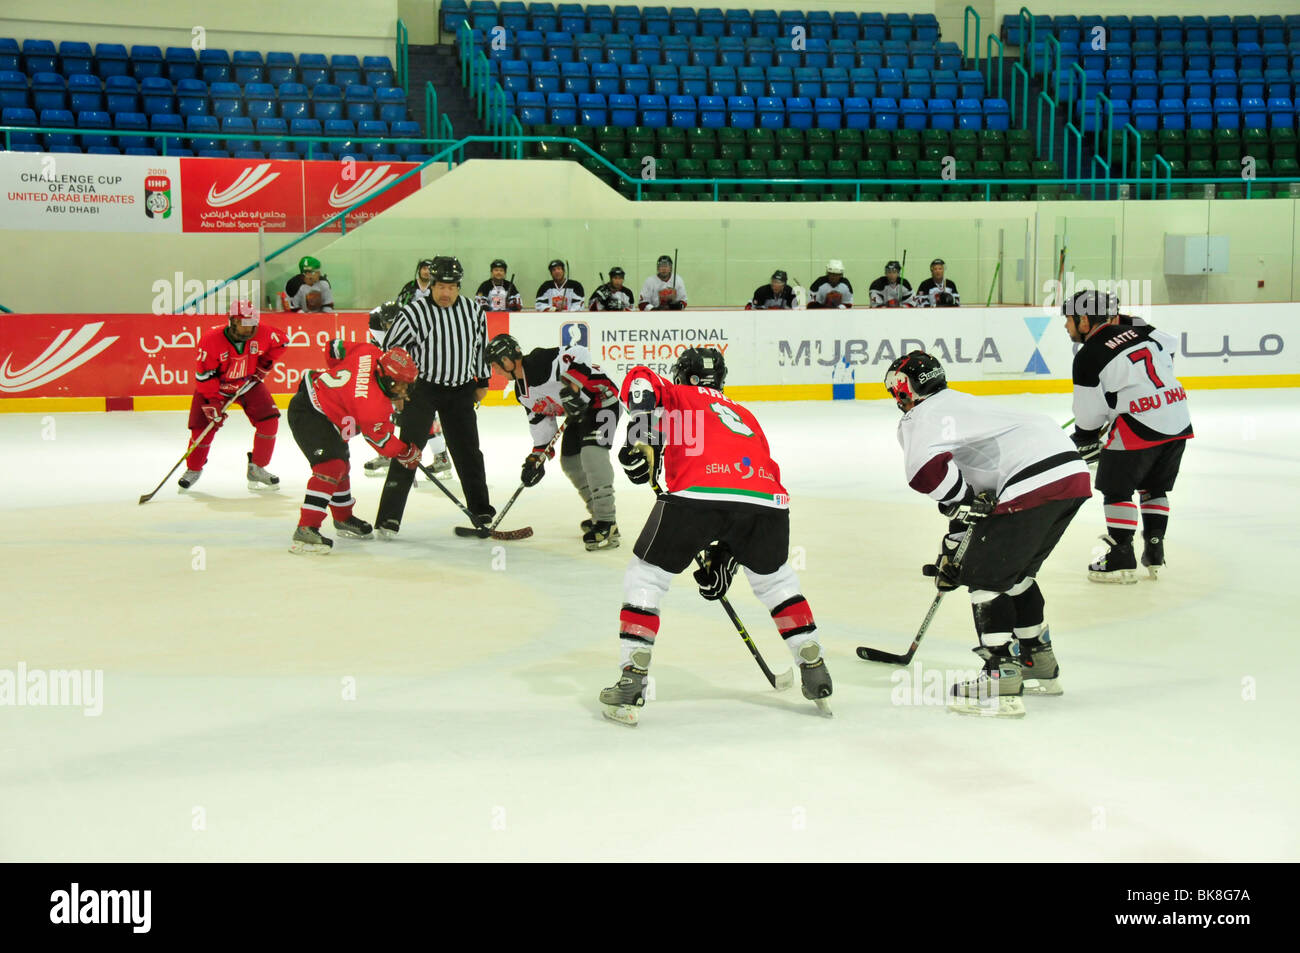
222 362
712 447
349 395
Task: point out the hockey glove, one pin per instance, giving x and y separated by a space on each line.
718 569
534 469
228 389
971 508
944 570
945 300
635 465
1088 443
410 457
575 405
213 413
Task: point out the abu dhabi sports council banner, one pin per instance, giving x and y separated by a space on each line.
99 361
85 193
56 191
823 354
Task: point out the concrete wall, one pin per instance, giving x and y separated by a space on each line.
361 27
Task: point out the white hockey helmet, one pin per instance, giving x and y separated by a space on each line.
835 267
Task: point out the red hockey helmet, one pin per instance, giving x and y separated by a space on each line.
244 313
396 366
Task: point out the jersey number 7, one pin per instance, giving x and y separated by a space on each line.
1144 357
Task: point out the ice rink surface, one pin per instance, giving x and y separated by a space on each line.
434 697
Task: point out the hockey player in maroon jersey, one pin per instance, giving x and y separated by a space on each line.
554 382
1013 481
1124 379
233 361
723 495
358 395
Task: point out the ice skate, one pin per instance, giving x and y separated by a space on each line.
1153 555
816 679
441 462
354 528
189 478
997 690
377 467
1039 672
602 535
1118 565
585 527
622 699
259 478
388 529
307 539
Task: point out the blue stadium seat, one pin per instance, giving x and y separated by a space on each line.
575 78
20 116
744 23
39 56
771 112
749 81
85 92
1254 113
870 54
247 66
306 127
712 22
723 80
945 85
704 51
391 102
600 19
593 109
997 114
326 102
912 113
273 129
192 97
237 126
835 82
1225 83
532 108
562 109
559 47
104 151
843 54
605 78
663 81
370 131
227 99
94 119
676 51
943 115
281 67
654 20
731 52
890 81
799 112
542 16
167 123
820 26
75 58
627 20
847 26
111 60
146 61
622 110
377 71
49 91
971 82
694 81
682 112
345 130
572 17
970 114
713 112
259 101
780 81
873 27
515 76
1227 113
294 101
313 69
214 67
13 90
207 126
682 22
817 54
513 15
740 112
157 95
345 69
1281 113
182 63
857 113
654 110
636 79
917 83
807 82
1146 114
545 76
247 153
1200 113
828 112
358 103
884 112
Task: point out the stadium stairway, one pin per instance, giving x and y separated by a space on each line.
439 65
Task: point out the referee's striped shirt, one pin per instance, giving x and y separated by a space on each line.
446 343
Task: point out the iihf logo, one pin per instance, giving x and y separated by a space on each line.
574 334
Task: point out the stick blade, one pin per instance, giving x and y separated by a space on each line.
471 531
522 533
875 655
784 680
146 498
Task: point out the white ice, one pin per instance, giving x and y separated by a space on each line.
475 733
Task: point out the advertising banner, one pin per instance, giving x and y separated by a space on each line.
120 356
85 193
234 195
331 187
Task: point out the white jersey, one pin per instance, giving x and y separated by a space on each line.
548 371
953 441
656 292
831 291
299 300
1124 375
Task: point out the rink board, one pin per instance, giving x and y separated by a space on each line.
146 362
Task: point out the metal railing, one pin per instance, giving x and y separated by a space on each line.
1070 127
1045 100
1027 36
966 34
403 58
1137 155
5 310
1017 70
988 64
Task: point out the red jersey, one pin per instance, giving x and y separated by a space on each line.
712 447
349 395
221 362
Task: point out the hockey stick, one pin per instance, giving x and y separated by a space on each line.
875 655
779 682
483 532
523 532
993 284
198 440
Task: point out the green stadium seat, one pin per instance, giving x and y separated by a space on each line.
760 144
790 144
1046 170
965 145
545 150
812 169
907 145
701 143
731 143
1020 145
993 145
879 145
1172 145
722 169
848 144
1227 143
751 169
1282 144
987 169
870 169
821 144
782 169
930 169
1200 145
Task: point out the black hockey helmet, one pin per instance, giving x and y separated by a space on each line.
617 272
1097 306
447 270
781 276
499 263
914 376
383 316
893 266
501 347
421 264
701 366
557 263
664 260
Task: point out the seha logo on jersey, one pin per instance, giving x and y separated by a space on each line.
157 196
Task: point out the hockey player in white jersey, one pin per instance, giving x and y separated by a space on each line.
1124 384
1012 481
664 290
554 382
560 293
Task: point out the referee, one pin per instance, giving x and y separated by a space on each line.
445 333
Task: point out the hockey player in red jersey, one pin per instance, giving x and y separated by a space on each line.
1124 379
554 382
233 361
357 396
723 495
1013 482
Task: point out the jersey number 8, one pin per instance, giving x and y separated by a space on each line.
731 420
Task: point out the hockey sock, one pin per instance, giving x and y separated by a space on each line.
199 456
341 501
572 467
637 628
995 616
779 593
1027 602
1121 518
600 481
264 440
1155 514
644 586
324 483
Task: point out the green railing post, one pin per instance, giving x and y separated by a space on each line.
1137 158
1098 161
403 57
1044 99
465 38
1027 37
1109 126
1018 70
1077 70
988 65
1078 154
1158 160
966 34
